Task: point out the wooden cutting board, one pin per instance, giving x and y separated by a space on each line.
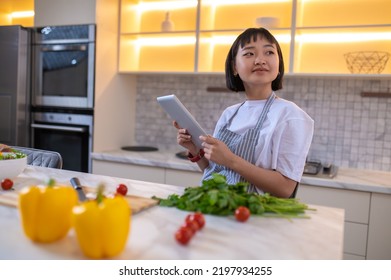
136 203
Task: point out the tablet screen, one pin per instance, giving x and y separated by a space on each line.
178 112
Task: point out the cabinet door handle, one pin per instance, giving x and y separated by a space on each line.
59 127
59 48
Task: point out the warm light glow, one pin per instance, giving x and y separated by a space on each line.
239 2
282 39
228 40
178 41
185 4
165 42
22 14
343 37
166 5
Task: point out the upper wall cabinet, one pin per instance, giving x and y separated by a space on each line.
316 36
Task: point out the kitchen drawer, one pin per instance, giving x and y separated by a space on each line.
379 234
183 178
355 239
129 171
355 203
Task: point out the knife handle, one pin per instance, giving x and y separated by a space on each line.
76 183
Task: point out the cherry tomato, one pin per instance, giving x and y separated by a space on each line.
242 213
198 217
183 235
122 189
7 184
192 225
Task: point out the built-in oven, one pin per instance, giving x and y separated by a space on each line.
70 134
62 97
63 66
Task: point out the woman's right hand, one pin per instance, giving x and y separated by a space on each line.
184 139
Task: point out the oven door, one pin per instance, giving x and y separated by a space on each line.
72 141
63 75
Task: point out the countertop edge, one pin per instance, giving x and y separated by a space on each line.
347 178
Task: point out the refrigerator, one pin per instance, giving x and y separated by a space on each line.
14 85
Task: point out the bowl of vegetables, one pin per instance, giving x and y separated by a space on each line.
12 163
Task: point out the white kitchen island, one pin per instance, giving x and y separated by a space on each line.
365 195
152 230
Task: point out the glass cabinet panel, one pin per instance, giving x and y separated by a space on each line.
342 12
141 16
324 51
214 47
242 14
157 52
202 31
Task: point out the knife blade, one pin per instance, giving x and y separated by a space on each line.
77 186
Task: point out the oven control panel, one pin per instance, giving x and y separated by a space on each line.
63 118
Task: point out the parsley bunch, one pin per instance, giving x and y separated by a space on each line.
216 197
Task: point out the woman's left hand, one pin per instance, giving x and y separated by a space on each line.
216 150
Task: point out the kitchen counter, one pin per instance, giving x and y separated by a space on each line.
155 159
152 230
347 178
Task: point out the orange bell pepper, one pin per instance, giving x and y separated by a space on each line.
102 225
46 211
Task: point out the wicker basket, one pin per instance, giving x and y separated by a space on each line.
366 62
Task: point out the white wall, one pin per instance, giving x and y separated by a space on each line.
64 12
115 94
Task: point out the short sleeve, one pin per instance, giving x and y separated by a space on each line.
291 142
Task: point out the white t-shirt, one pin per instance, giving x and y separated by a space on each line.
285 136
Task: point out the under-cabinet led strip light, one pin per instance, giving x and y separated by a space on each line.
165 42
239 2
228 40
165 5
22 14
183 4
307 38
343 37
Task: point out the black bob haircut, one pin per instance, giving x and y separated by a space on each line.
235 83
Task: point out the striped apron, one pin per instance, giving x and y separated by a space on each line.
241 145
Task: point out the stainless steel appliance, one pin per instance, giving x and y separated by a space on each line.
63 59
69 134
14 85
317 169
63 77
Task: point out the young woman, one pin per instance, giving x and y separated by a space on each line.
264 140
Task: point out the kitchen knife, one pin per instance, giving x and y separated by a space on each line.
77 186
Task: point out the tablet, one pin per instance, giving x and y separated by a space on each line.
178 112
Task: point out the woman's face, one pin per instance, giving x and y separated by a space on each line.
257 63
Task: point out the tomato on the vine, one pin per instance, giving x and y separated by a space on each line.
242 213
183 235
122 189
198 217
192 225
7 184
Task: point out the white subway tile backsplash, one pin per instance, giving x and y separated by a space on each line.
350 130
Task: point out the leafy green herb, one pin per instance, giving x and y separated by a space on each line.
11 155
216 197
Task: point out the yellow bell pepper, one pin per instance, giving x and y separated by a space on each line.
46 211
102 225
